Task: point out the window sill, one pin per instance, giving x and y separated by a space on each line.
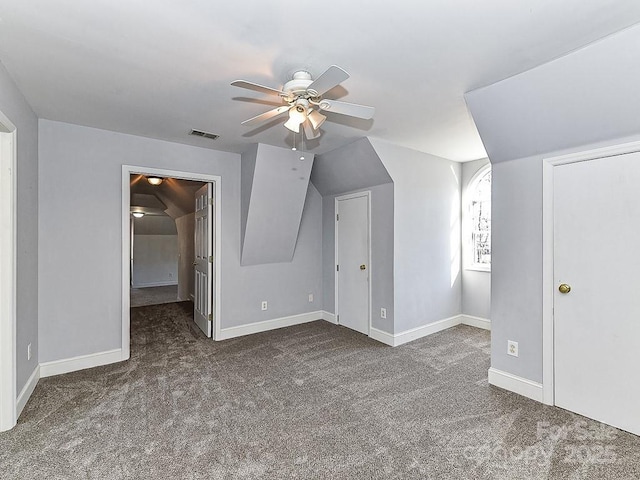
479 269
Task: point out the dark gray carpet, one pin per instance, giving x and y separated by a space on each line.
314 401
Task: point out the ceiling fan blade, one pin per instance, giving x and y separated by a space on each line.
351 109
257 87
266 115
309 132
333 76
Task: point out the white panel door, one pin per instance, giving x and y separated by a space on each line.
204 224
352 261
597 323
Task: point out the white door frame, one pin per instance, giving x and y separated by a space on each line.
127 171
548 283
366 193
8 242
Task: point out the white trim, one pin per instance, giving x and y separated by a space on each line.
479 268
349 196
127 171
8 275
516 384
383 337
155 284
401 338
27 390
425 330
67 365
266 325
477 322
329 317
548 282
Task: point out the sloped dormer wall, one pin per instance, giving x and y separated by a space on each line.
274 184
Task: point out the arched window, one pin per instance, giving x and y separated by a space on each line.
479 204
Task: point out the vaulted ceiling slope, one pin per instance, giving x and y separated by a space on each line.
160 68
173 197
584 98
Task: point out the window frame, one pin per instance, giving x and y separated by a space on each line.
470 230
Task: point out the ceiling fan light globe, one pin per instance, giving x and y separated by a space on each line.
316 119
293 125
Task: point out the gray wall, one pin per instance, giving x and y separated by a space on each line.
154 225
185 226
155 260
277 197
15 107
427 285
80 286
516 266
476 285
155 251
584 100
381 268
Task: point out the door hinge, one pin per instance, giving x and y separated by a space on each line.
210 258
337 268
211 317
211 201
338 318
337 217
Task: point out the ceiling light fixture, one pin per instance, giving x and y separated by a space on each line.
316 119
154 180
138 214
297 115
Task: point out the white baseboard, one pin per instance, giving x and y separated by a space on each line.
419 332
58 367
155 284
329 317
384 337
477 322
401 338
257 327
27 390
516 384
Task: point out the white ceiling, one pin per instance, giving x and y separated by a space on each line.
159 68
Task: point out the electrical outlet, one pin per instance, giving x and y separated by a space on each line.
512 348
29 352
264 305
310 297
383 313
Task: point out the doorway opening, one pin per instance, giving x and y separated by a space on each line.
8 192
162 239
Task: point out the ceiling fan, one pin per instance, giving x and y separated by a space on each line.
303 97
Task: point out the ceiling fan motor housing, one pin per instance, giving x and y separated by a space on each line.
298 85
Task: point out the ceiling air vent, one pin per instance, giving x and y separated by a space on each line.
200 133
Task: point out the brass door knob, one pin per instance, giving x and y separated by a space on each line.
363 267
564 288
